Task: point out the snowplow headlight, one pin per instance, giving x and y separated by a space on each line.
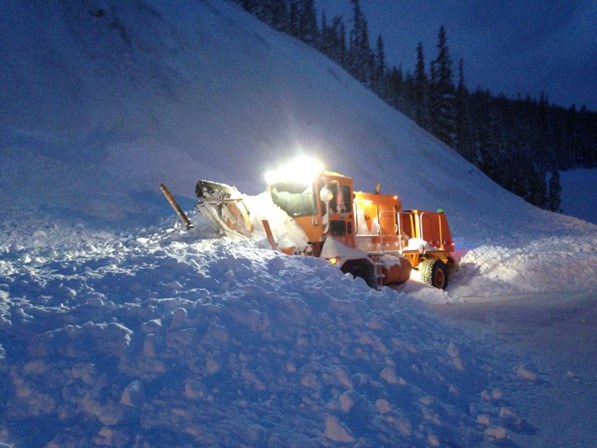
303 170
333 260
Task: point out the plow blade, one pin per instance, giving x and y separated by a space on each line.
223 206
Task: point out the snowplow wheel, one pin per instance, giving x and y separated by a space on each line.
363 269
435 273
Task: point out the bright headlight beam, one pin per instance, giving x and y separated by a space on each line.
301 170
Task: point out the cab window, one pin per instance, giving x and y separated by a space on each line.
341 198
295 199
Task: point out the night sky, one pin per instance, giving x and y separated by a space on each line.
509 46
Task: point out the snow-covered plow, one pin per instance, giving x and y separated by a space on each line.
223 206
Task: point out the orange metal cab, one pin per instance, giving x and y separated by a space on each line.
371 222
366 221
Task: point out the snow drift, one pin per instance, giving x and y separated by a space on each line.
165 338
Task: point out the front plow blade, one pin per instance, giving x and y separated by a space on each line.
224 207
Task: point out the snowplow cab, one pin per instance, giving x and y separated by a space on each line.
357 231
321 206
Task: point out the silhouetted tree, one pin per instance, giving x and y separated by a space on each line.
554 190
360 57
441 105
514 141
462 131
380 79
421 92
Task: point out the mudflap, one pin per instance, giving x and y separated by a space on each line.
223 206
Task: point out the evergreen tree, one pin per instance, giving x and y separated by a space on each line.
462 137
360 58
442 93
279 15
333 40
554 190
325 41
340 49
380 81
259 8
409 95
515 141
294 20
307 23
396 88
421 111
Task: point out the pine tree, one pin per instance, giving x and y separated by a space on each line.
279 15
380 81
307 23
333 40
442 93
294 21
259 8
516 142
421 111
462 137
360 58
409 96
397 88
554 190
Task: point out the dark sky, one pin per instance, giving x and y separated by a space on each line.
508 46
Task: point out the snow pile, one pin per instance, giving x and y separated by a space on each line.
165 338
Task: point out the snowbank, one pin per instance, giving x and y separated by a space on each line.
163 337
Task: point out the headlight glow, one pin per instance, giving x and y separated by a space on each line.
303 169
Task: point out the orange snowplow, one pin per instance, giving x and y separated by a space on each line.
366 234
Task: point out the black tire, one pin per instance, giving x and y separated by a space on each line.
363 269
435 273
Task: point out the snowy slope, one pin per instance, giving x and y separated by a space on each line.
116 335
101 108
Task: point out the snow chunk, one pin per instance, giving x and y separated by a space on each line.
495 432
333 248
526 374
336 431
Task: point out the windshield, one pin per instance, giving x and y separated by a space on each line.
295 199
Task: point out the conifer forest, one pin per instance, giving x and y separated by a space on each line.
521 143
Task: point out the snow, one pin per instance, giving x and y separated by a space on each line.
119 328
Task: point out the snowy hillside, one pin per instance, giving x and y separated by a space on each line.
100 103
117 328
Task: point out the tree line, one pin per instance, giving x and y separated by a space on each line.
520 143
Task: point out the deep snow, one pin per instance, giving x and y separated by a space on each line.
119 335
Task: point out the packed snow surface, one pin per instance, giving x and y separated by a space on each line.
119 328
